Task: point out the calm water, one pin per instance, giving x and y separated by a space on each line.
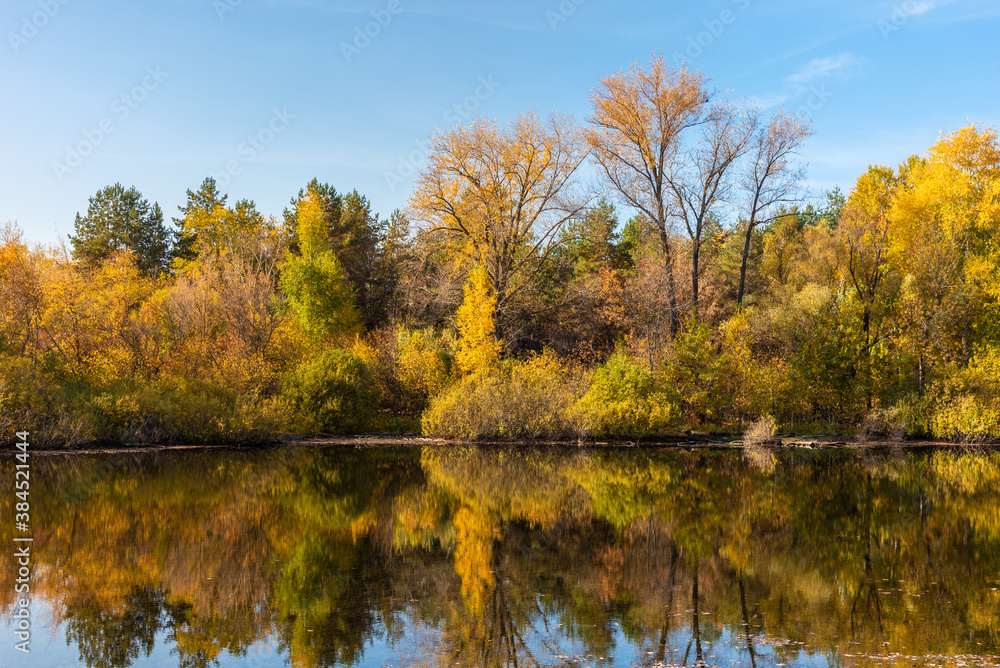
487 557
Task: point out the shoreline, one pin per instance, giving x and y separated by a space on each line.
818 442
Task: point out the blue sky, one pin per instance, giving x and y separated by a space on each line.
160 94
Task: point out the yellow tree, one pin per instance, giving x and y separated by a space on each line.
478 347
504 194
20 293
865 230
94 320
636 123
945 236
239 232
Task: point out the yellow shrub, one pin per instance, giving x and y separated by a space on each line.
529 399
625 401
965 404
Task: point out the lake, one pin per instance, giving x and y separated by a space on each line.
464 556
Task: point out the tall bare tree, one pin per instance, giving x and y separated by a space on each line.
701 177
771 179
637 119
504 195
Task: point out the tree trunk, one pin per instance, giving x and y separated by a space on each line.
695 258
671 285
743 265
746 623
696 620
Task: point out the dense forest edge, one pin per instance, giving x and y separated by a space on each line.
509 300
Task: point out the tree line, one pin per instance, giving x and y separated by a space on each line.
511 298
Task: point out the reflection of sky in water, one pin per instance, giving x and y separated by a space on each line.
50 650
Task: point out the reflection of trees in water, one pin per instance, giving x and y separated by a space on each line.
330 601
499 554
111 638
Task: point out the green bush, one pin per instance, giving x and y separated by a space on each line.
179 410
625 401
912 412
332 392
31 401
696 372
524 399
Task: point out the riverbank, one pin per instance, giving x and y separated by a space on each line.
295 544
681 442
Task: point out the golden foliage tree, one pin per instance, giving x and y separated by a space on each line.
20 293
945 238
503 194
865 230
478 346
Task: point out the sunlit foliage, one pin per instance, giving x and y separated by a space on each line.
510 301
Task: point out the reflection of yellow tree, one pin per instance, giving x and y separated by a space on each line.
474 537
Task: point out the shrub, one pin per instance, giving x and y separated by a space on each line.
469 409
167 410
761 431
625 401
963 405
179 410
912 412
696 372
331 392
529 399
31 401
966 419
424 362
408 367
882 423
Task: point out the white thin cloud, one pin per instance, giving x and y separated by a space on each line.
839 66
769 100
816 72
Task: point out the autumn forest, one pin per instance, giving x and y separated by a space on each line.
656 267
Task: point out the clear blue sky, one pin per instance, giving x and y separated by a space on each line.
162 93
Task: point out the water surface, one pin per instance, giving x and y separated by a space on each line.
454 556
